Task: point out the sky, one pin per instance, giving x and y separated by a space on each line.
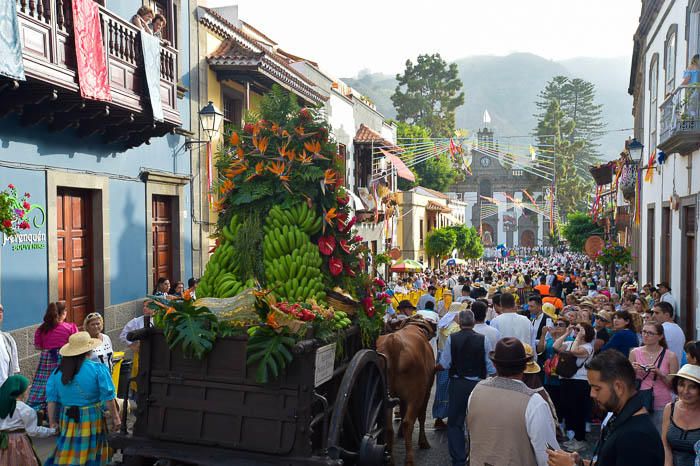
380 35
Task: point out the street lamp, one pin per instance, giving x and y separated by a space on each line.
635 149
210 119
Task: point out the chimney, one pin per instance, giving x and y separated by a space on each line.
230 14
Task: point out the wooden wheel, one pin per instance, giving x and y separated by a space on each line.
358 424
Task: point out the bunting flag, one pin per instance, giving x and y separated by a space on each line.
11 63
150 46
93 74
532 199
210 172
491 199
649 176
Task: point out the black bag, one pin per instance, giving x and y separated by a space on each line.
647 396
567 367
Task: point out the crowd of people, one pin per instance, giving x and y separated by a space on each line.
535 352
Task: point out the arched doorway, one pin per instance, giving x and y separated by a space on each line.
527 239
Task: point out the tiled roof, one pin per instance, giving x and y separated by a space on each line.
436 206
366 135
432 192
240 49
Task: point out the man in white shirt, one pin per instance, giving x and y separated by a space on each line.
464 295
9 361
135 324
512 324
673 333
667 297
479 308
498 433
429 296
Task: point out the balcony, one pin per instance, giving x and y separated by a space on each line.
51 94
680 121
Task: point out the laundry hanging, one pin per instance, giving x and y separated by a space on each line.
93 75
150 46
11 64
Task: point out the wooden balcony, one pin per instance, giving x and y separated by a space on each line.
680 121
51 94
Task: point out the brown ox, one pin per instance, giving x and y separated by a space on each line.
410 369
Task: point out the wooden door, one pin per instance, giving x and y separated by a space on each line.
74 234
527 239
688 303
162 228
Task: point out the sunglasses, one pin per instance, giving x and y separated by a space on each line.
562 324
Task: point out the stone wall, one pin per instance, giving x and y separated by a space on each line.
115 318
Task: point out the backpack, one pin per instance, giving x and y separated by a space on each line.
566 366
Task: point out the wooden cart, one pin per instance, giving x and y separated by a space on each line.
323 410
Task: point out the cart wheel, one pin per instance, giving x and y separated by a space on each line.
358 424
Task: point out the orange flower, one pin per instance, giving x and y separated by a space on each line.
313 146
240 153
236 169
271 321
170 310
256 129
219 204
275 128
330 215
304 158
261 144
285 133
277 168
291 155
187 295
235 140
259 170
299 130
226 186
330 176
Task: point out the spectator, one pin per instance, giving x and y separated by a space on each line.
17 421
653 363
675 338
465 357
640 305
158 25
630 438
603 320
162 287
692 352
666 296
51 335
192 287
546 347
508 422
511 324
135 324
9 361
480 308
81 388
575 389
429 296
624 338
446 327
465 297
542 288
94 325
681 419
142 18
554 299
538 318
177 290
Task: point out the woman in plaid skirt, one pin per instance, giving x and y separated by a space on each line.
81 387
52 334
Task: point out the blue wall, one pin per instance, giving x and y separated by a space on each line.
26 154
25 281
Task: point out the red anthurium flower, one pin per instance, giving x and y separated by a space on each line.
350 272
347 226
248 128
343 217
344 200
345 246
335 266
367 302
326 244
304 113
379 282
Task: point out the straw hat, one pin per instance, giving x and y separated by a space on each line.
79 343
531 367
690 372
550 310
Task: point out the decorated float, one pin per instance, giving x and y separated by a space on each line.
274 361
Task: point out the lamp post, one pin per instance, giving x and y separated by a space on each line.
210 119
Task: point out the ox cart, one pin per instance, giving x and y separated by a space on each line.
325 409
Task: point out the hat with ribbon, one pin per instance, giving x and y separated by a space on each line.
79 343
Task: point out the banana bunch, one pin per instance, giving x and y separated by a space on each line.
307 220
221 279
292 262
340 320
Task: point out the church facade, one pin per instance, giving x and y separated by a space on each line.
494 192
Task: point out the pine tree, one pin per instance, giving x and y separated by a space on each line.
576 98
428 93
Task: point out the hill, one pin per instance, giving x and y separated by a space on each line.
508 87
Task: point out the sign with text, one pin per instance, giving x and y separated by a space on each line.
325 363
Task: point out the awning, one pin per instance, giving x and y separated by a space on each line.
359 205
401 169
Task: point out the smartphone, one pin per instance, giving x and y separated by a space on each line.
549 322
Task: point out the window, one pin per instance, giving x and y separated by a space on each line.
694 30
363 168
420 228
233 109
670 60
168 9
653 100
651 240
666 244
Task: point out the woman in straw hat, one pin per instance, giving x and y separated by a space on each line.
17 421
681 419
81 386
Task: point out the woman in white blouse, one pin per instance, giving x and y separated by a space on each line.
94 324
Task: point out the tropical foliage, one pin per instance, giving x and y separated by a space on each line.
578 228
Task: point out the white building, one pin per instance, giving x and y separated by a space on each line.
667 122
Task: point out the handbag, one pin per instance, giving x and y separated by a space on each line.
647 395
566 366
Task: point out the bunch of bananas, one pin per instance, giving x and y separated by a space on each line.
340 320
292 261
221 279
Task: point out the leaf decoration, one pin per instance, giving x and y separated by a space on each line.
270 351
194 330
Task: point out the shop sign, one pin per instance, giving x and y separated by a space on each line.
29 240
325 362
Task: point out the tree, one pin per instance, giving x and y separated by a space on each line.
576 98
571 188
432 173
468 241
428 93
578 228
440 242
